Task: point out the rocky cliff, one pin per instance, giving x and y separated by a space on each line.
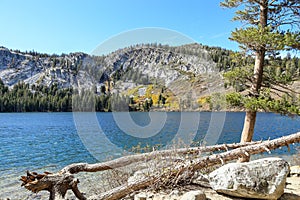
177 68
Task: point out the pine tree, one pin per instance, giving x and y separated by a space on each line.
271 26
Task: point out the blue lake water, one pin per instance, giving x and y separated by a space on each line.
49 141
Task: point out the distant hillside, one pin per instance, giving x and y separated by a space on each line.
141 77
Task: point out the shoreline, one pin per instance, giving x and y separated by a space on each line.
87 185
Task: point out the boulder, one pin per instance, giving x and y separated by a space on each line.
193 195
260 179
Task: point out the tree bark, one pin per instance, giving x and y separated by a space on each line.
250 117
248 131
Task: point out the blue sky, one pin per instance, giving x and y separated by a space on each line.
62 26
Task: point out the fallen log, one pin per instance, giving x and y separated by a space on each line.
124 190
187 170
57 184
37 182
127 160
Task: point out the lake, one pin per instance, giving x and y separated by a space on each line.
49 141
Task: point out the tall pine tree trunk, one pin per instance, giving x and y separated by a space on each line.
250 117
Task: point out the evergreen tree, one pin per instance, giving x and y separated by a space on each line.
272 26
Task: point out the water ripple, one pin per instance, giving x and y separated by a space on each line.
49 141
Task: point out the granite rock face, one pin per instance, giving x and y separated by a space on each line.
260 179
83 70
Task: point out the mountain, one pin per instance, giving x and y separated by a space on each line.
34 68
140 77
185 73
163 63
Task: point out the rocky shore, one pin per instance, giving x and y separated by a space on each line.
194 192
268 178
286 179
291 192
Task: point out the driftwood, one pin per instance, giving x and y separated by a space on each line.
32 176
36 182
127 160
57 184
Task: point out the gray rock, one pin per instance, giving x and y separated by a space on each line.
201 179
137 176
194 195
289 196
140 196
295 171
260 179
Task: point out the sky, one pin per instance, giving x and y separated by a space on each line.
64 26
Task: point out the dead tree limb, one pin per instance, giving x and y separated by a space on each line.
197 164
243 151
124 190
56 184
127 160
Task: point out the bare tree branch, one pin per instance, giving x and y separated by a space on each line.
127 160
